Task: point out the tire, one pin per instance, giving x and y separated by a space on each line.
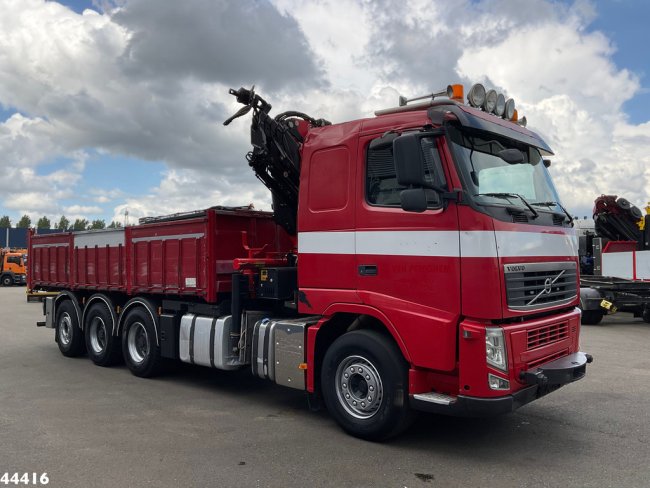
7 280
69 335
103 348
139 348
380 374
592 317
636 213
646 315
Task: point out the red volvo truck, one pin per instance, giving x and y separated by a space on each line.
416 260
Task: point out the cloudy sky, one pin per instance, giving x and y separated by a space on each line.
107 105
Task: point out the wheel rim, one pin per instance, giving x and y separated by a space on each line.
359 387
98 335
138 342
65 329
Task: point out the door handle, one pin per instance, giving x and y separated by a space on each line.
368 270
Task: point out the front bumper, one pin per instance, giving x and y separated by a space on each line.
544 379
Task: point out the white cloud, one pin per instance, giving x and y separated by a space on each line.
172 196
149 80
81 210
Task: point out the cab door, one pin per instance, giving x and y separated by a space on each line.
408 263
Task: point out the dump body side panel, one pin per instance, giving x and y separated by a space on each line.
174 256
50 259
99 260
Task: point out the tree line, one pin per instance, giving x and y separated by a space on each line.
63 224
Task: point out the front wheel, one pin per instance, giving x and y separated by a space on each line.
139 344
7 280
592 317
365 385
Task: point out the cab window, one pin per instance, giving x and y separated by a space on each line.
382 188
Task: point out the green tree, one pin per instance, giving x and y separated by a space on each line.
24 222
43 223
63 224
80 224
114 225
5 221
98 224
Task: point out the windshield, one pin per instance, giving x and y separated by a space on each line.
491 180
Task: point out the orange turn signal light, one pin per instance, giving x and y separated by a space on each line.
457 92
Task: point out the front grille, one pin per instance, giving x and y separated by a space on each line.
546 359
548 334
533 286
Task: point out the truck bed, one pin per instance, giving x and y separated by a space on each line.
188 255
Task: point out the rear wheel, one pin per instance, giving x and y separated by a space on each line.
139 347
69 335
365 385
103 348
646 315
592 317
7 280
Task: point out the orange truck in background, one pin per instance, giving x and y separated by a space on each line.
13 266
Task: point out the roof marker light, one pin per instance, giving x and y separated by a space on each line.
515 116
510 109
456 92
476 95
500 107
490 101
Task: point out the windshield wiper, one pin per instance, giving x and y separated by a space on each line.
551 204
511 195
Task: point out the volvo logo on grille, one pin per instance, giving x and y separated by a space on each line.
548 287
515 268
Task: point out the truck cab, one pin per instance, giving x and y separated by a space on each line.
12 267
441 223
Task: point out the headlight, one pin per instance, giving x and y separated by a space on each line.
495 348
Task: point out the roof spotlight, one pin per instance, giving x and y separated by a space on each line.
500 106
490 101
510 109
522 121
476 95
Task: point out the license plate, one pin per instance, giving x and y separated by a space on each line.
607 305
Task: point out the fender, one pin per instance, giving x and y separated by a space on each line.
360 309
100 297
357 309
148 306
75 304
590 299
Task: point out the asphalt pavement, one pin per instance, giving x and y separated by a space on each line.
87 426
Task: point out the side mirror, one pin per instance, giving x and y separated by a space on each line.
511 156
547 162
409 160
414 200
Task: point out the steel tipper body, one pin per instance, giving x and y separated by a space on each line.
417 260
